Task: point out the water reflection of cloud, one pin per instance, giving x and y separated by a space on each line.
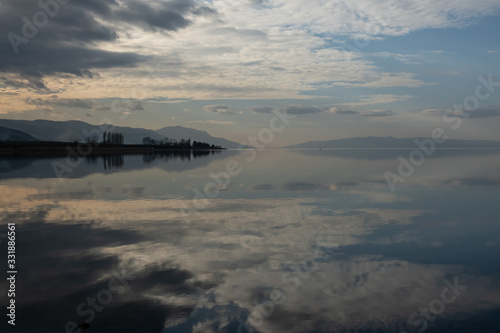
374 191
206 274
263 187
301 186
476 182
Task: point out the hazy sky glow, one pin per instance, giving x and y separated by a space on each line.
346 68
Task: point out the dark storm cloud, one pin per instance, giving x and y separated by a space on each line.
171 17
47 37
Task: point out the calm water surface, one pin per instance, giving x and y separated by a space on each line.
297 241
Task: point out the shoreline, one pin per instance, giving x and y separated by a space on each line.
86 149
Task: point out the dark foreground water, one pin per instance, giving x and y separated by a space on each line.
284 241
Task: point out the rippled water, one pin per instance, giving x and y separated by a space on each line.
293 241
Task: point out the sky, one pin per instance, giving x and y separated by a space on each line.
343 68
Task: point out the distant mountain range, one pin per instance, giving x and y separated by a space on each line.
8 134
69 131
391 142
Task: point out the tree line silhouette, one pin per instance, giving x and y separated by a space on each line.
117 138
111 137
174 144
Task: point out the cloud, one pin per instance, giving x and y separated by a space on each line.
300 109
409 59
342 17
102 107
161 15
479 113
492 52
219 108
254 50
485 113
261 109
25 82
55 102
378 113
89 104
263 187
302 186
487 182
132 105
257 2
69 38
379 99
434 112
346 112
214 122
438 72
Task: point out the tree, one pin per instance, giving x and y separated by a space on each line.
92 139
148 141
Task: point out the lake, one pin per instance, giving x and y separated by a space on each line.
260 241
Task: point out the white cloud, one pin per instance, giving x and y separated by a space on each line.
479 113
283 49
345 112
378 113
261 109
214 122
405 58
219 108
379 99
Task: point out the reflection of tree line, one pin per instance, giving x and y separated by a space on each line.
177 154
110 161
113 161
